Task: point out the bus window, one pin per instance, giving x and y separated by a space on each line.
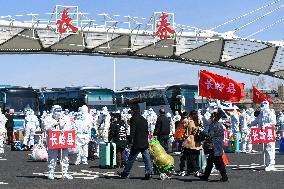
100 98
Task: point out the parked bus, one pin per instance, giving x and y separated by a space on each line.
172 97
72 98
13 101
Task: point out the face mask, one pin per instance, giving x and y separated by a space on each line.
56 115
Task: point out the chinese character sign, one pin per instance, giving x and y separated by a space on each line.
61 139
164 27
258 136
65 23
270 134
226 138
255 135
218 87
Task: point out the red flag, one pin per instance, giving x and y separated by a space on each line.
218 87
258 97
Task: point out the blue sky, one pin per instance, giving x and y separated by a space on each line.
60 71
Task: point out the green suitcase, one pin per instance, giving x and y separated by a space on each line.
107 154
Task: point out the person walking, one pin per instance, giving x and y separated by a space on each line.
139 143
216 134
163 129
191 144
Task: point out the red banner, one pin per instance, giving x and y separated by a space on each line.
226 138
258 136
61 139
258 97
218 87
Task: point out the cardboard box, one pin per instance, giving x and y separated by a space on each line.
19 135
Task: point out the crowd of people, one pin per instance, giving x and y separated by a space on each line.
132 130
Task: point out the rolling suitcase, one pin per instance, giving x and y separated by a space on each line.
92 149
107 155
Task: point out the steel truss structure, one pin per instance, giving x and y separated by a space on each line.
133 37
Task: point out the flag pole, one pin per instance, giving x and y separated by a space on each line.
263 150
202 98
61 163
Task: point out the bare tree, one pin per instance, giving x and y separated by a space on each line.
259 82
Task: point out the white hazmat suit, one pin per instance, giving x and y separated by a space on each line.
3 131
58 121
246 145
151 118
267 118
83 134
31 125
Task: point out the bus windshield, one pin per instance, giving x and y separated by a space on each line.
153 97
182 97
19 101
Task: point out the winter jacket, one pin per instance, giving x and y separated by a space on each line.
163 126
138 132
190 141
117 134
216 132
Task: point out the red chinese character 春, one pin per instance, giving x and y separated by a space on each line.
163 28
65 23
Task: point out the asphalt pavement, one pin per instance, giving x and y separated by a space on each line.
244 171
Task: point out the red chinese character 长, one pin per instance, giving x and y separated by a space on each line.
53 139
65 23
255 135
209 84
163 28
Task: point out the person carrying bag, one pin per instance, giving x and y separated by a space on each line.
215 149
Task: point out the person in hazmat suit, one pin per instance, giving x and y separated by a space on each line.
31 125
265 119
59 122
83 134
246 145
3 131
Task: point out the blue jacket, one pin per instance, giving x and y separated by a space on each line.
216 132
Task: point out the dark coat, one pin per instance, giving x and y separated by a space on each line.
117 134
162 127
138 132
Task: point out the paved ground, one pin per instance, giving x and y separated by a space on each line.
244 171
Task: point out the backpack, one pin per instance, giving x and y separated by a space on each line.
179 134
